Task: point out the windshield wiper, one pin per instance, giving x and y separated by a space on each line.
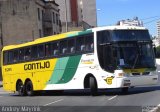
135 61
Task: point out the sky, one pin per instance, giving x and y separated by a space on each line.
111 11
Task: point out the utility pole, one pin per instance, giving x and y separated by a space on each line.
1 26
66 16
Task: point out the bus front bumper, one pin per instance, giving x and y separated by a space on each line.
136 81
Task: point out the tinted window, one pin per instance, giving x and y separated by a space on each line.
63 47
71 46
27 54
89 43
103 37
21 54
48 48
55 49
15 56
34 54
10 57
80 44
40 51
5 58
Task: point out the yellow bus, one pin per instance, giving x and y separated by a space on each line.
98 58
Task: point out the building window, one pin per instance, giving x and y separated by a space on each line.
53 17
57 21
40 33
39 18
42 14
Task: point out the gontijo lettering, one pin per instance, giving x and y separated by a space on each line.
38 65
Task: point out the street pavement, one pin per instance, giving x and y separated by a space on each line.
139 99
1 84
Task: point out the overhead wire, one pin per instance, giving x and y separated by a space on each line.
149 18
152 21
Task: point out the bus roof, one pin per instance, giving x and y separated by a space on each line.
119 28
70 34
47 39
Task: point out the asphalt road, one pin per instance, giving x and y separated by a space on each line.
140 99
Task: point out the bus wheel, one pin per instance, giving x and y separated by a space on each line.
93 86
20 89
29 88
124 90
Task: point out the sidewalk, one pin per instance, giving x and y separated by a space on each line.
1 84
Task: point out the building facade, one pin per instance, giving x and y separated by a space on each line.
130 22
77 14
158 29
27 20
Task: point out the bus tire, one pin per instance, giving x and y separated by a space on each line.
29 88
124 90
93 86
20 89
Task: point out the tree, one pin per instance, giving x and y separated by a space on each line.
158 52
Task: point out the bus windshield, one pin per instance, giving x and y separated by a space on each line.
130 35
125 53
135 55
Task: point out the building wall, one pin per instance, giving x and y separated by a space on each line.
89 11
17 21
80 13
52 23
23 20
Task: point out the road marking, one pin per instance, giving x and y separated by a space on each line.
158 71
5 92
155 109
112 97
53 102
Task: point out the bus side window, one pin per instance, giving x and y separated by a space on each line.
15 56
40 51
10 53
34 53
63 47
21 55
71 46
80 44
89 43
5 57
48 48
55 49
27 54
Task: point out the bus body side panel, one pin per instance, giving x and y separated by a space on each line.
34 71
77 68
64 72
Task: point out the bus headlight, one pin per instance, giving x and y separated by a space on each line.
120 75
